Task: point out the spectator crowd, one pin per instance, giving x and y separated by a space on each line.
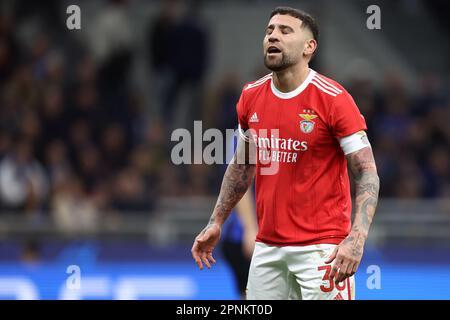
77 140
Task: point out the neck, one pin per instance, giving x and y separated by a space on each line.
291 78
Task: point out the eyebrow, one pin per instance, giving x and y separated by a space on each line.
281 26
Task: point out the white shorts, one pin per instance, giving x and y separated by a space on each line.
295 272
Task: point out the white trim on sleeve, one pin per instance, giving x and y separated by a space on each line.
242 134
354 142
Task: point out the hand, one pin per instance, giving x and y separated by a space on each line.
248 243
204 244
347 256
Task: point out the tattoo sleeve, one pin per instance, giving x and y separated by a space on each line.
237 179
367 185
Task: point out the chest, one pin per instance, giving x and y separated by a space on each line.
297 119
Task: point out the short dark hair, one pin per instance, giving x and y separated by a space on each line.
307 20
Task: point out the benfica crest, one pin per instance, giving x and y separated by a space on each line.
307 125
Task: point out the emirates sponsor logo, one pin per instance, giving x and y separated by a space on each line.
211 146
277 150
274 142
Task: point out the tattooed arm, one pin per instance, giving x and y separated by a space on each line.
237 179
348 254
367 183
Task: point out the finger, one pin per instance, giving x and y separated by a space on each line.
334 269
198 261
348 271
337 279
355 268
349 268
333 255
340 274
205 261
196 256
211 258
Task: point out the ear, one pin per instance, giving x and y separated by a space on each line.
310 47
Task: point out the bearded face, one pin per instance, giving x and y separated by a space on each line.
275 59
283 42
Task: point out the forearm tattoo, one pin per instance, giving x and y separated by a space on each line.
367 183
237 179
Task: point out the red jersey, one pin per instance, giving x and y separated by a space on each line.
306 200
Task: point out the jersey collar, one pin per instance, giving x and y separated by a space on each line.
295 92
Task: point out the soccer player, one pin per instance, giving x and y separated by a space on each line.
303 128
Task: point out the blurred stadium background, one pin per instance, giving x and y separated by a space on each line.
85 122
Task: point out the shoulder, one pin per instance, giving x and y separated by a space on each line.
254 87
328 87
250 93
252 90
331 97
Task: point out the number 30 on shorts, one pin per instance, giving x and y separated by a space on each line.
340 286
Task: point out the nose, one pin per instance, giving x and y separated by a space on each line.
273 39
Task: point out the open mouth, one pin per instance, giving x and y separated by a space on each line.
273 50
